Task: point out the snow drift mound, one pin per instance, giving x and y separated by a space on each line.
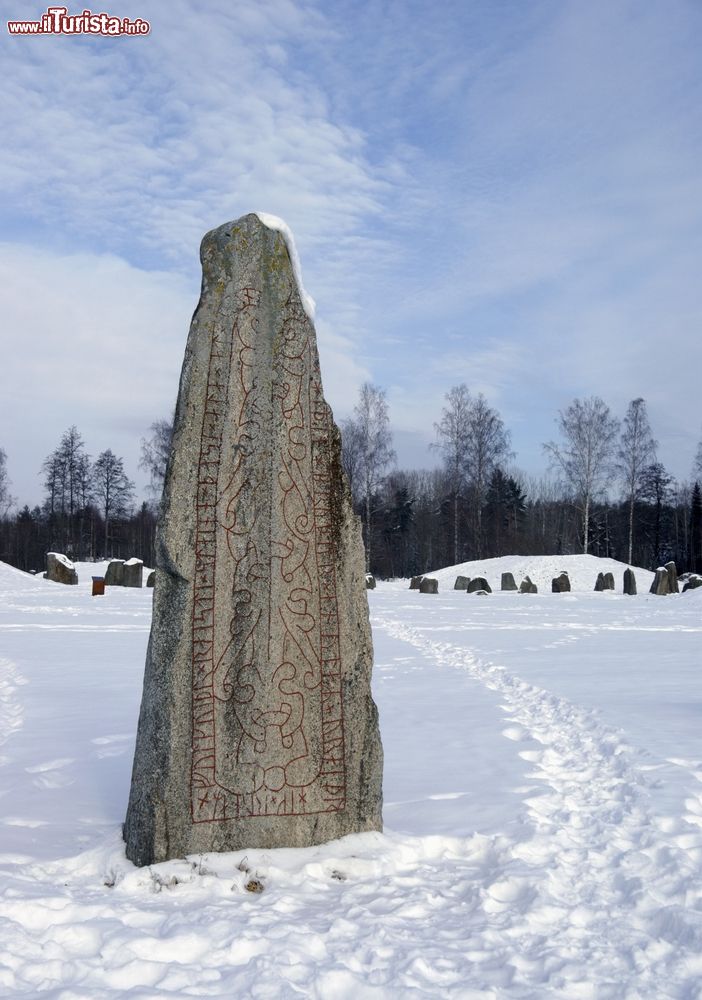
582 572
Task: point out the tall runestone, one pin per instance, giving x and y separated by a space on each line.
257 725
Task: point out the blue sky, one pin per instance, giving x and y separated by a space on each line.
503 193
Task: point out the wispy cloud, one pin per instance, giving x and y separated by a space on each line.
507 195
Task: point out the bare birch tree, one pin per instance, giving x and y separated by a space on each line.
488 447
114 491
637 449
6 500
452 434
369 451
584 457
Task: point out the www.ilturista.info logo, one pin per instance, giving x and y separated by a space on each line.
57 21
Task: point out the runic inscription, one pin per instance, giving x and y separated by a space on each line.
267 712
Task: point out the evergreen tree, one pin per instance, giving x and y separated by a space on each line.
696 529
655 490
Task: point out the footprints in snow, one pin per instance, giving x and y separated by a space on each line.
599 871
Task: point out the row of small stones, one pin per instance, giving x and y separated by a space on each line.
665 582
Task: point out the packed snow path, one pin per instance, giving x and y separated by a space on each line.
543 811
598 878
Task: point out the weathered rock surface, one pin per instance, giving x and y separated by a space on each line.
692 584
415 582
132 573
370 582
257 726
507 582
560 584
114 574
629 582
429 585
461 583
60 569
600 582
479 583
672 572
527 587
661 582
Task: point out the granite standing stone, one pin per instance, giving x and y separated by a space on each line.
507 582
672 572
527 587
60 569
132 573
415 582
151 578
257 725
661 582
600 582
461 583
114 574
370 582
429 585
629 582
692 584
609 581
479 583
560 584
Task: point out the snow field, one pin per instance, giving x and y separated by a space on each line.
543 811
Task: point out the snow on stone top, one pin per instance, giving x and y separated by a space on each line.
60 557
133 561
279 226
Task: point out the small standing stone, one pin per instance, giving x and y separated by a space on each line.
151 578
461 583
560 584
661 582
132 573
370 581
479 583
429 585
114 574
60 569
600 582
672 572
507 582
629 582
415 582
527 587
692 584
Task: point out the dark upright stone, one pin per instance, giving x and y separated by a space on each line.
257 725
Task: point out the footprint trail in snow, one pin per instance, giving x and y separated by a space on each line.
601 883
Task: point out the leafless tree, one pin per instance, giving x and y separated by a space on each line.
584 457
6 500
488 447
452 432
369 451
155 452
114 492
637 449
697 467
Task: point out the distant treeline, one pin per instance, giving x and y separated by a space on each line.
607 494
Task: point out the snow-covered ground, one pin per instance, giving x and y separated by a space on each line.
543 808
